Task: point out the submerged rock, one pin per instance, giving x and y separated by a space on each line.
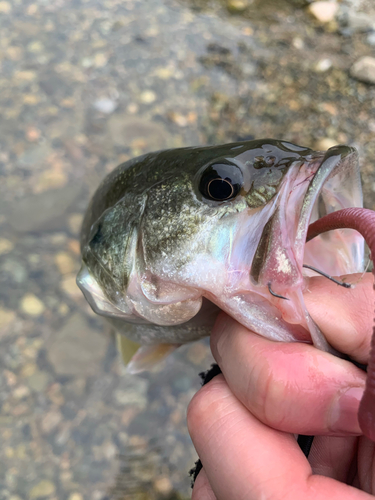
364 70
77 349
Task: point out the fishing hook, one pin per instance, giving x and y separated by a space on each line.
275 294
341 283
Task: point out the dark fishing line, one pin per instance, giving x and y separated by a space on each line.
341 283
275 294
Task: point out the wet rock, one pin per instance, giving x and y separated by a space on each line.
43 489
76 349
31 305
364 70
43 212
324 12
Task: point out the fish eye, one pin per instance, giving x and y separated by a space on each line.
221 181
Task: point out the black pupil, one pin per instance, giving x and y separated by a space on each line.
221 181
220 189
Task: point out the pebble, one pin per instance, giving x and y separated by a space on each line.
323 65
75 223
325 143
132 391
163 485
77 349
147 97
324 12
5 7
105 105
15 270
364 70
6 318
21 392
75 496
69 286
74 246
43 489
197 353
50 421
28 369
124 131
237 6
6 246
65 263
38 381
359 22
100 60
31 305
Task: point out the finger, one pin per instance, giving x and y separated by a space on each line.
202 489
345 316
243 458
292 387
333 456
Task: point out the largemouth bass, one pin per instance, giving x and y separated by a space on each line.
173 237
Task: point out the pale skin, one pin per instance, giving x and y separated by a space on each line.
243 422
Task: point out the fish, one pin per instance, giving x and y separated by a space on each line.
173 237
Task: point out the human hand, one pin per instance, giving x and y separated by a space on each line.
243 422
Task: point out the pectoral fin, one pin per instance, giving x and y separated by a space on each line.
127 348
146 357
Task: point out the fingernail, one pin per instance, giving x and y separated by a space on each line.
344 415
219 335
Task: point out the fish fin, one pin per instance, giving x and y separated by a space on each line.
127 348
148 356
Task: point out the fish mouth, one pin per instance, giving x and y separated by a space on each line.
322 184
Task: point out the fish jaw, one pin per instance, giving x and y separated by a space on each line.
278 262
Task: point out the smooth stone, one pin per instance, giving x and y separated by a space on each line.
324 12
105 105
364 70
76 349
31 305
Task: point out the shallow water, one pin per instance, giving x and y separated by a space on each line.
85 85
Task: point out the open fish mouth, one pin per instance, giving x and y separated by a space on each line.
328 182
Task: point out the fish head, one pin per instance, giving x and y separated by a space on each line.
171 230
